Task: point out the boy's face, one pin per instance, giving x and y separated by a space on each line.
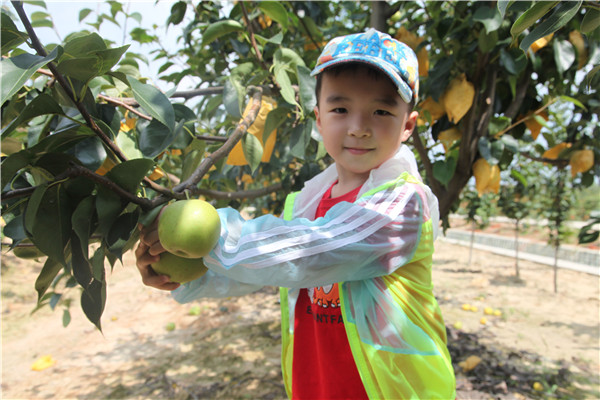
363 121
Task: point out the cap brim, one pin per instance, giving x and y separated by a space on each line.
404 90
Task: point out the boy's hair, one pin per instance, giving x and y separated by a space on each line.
352 67
379 51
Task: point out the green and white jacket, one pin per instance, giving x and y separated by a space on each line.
379 249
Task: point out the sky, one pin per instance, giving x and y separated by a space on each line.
65 15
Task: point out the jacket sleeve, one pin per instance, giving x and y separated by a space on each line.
353 241
212 285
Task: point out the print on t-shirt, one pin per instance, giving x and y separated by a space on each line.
325 296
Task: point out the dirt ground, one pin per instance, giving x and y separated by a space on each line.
229 348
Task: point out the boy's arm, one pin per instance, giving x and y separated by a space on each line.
210 285
370 238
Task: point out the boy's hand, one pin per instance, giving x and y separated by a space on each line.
147 253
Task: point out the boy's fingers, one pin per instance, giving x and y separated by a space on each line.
162 282
156 249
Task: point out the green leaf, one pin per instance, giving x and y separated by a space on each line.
93 300
497 124
110 57
108 208
287 91
529 17
285 57
66 319
591 20
300 139
233 97
562 13
154 102
82 46
17 70
519 177
128 145
48 220
43 104
122 230
82 222
82 69
253 150
148 217
274 120
49 271
10 36
12 164
487 41
177 13
574 101
220 28
84 13
307 84
275 11
564 55
40 19
80 263
490 17
154 138
129 174
503 5
443 170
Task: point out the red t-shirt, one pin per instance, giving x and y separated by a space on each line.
323 366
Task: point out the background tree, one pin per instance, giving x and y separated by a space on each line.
91 149
479 209
518 197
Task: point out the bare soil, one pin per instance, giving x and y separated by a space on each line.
230 348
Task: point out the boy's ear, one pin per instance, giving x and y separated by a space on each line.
409 125
317 118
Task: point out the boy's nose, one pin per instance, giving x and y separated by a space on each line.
359 128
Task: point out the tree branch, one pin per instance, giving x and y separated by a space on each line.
190 184
522 86
436 187
39 48
244 194
76 170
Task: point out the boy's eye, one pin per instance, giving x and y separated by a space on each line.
339 110
382 112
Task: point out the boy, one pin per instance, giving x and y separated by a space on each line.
353 251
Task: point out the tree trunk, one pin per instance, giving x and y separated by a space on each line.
379 10
517 249
472 240
556 268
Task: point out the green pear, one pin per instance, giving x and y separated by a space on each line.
189 228
179 269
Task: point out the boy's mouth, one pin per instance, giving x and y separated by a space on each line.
358 150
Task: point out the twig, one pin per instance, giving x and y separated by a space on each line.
539 110
123 104
252 38
211 138
561 163
306 30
